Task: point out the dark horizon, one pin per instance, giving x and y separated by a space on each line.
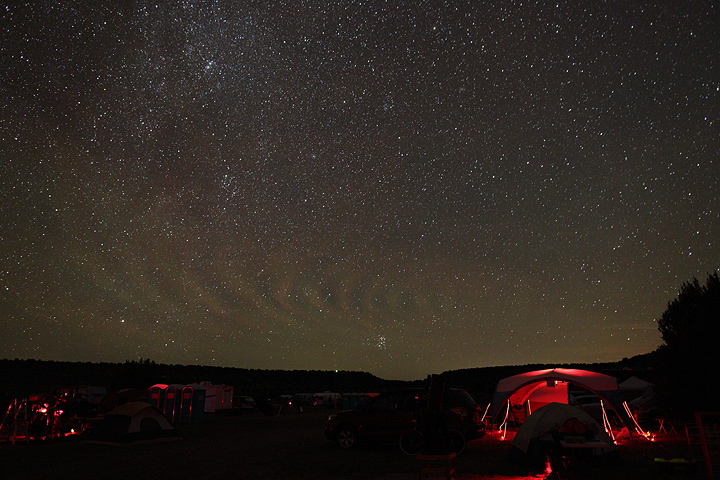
34 376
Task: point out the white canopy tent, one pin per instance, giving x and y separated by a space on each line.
518 388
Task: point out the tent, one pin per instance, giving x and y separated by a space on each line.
517 389
539 436
552 417
120 397
635 387
634 383
134 422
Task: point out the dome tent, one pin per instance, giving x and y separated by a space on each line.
635 385
517 388
539 438
134 422
552 417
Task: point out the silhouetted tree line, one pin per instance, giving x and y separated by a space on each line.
687 366
25 377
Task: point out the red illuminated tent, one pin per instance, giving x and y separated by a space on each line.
518 388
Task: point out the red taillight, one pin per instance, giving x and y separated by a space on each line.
477 418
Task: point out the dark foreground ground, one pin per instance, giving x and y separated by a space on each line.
292 446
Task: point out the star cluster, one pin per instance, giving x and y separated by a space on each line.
396 187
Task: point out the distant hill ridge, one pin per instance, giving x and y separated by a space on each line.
24 377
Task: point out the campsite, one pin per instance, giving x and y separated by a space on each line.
291 446
138 440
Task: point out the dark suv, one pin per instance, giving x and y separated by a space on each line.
384 418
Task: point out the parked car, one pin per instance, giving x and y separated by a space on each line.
647 409
243 403
385 417
591 404
300 401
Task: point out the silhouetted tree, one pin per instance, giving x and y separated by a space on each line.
138 374
688 371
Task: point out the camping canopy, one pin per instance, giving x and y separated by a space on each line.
521 386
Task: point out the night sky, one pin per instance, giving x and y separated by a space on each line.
401 188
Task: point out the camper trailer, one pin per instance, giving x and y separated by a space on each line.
326 399
217 397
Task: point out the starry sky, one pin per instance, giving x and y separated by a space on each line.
401 188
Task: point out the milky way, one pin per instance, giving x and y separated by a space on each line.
399 188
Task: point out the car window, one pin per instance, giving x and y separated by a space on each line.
385 402
460 398
414 401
